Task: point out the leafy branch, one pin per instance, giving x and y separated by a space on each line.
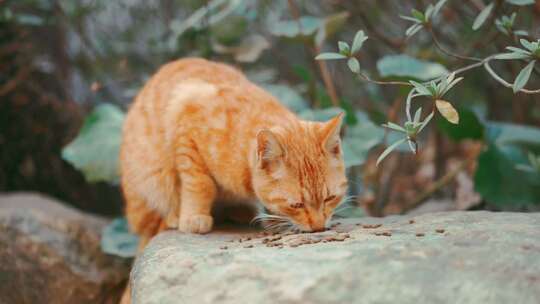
437 88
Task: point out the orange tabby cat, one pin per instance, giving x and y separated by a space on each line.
200 132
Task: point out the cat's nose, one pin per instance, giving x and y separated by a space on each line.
318 226
318 229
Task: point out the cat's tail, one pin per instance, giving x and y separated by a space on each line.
143 220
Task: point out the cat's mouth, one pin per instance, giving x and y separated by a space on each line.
272 221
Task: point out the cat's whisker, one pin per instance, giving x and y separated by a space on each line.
279 226
264 217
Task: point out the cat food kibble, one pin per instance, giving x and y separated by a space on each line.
374 226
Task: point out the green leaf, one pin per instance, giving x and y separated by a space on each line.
501 183
330 56
420 88
359 140
409 18
320 114
523 77
528 45
426 121
482 17
518 50
504 134
413 29
390 149
395 127
469 126
303 27
438 7
96 149
117 240
406 66
358 41
417 115
497 177
287 96
521 33
511 56
520 2
344 48
354 65
418 15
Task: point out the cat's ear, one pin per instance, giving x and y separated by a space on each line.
329 134
268 147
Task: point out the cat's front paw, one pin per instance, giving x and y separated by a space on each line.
196 223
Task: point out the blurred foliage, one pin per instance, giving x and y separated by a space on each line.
99 52
96 149
116 239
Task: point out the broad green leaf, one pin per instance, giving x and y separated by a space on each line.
330 56
520 2
504 134
501 183
447 111
406 66
354 65
390 149
230 31
304 26
117 240
497 177
320 114
523 77
359 140
482 17
95 150
287 96
469 126
31 20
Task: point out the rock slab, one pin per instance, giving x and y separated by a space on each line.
50 253
447 257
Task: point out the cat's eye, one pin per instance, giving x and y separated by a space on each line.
329 198
297 205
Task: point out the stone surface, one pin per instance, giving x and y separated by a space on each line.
50 253
449 257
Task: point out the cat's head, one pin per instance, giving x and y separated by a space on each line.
299 173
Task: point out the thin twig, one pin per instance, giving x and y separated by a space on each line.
366 78
504 82
442 49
